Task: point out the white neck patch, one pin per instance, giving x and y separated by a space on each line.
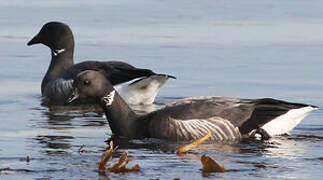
108 99
58 51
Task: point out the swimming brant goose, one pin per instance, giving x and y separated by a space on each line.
192 118
136 86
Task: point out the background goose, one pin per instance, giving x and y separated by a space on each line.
136 86
191 118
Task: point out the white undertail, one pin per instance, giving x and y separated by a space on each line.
286 122
141 90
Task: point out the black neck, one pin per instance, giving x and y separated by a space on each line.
123 121
60 62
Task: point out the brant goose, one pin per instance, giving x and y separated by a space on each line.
191 118
136 86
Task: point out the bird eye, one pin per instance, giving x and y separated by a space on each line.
86 82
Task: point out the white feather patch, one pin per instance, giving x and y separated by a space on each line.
286 122
108 99
58 51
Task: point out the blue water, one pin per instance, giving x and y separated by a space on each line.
246 49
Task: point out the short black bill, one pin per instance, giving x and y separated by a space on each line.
34 40
73 96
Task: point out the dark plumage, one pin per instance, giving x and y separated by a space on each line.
57 83
191 118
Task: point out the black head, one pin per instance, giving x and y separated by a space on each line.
55 35
90 84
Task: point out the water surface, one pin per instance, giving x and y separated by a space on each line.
231 48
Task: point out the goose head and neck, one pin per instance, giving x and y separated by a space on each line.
122 120
59 38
